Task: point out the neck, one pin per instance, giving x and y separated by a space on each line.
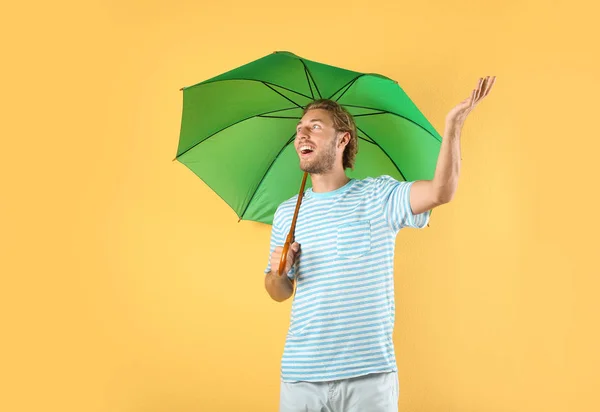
327 182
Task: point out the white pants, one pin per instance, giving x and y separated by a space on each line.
376 392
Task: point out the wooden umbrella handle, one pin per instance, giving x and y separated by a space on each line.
290 237
286 248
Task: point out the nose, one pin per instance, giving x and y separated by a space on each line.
301 132
301 136
304 132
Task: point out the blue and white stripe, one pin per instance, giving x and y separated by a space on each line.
343 312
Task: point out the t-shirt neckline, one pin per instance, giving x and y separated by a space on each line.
326 195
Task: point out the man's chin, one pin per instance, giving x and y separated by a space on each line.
311 170
306 168
314 168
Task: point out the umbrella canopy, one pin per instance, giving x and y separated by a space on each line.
238 129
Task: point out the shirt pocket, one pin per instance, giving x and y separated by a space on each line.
354 239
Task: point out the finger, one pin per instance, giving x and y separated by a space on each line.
480 89
295 254
473 98
485 89
489 85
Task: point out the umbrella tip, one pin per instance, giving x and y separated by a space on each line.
174 159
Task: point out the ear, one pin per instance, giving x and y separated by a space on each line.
344 140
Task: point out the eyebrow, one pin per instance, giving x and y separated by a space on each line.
311 121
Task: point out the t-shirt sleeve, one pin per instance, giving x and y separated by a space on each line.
394 197
278 237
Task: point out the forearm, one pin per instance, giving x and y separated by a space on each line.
279 288
447 170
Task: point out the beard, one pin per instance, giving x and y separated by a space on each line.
322 162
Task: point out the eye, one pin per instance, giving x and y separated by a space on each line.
318 126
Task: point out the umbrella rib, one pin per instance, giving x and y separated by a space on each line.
313 79
394 114
384 152
348 85
365 140
265 175
231 125
368 114
249 80
282 95
308 81
278 117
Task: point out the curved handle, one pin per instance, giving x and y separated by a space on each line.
286 248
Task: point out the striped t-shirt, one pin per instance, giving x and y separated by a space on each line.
343 311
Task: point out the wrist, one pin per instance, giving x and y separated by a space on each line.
452 130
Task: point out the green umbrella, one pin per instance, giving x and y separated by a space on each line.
238 129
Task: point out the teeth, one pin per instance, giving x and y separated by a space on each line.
302 148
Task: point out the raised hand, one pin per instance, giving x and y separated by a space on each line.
458 115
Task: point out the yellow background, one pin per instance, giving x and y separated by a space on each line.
128 286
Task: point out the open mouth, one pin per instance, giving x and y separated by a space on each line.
306 151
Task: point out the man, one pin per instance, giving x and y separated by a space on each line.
339 355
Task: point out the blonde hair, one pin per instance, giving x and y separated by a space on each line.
342 122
